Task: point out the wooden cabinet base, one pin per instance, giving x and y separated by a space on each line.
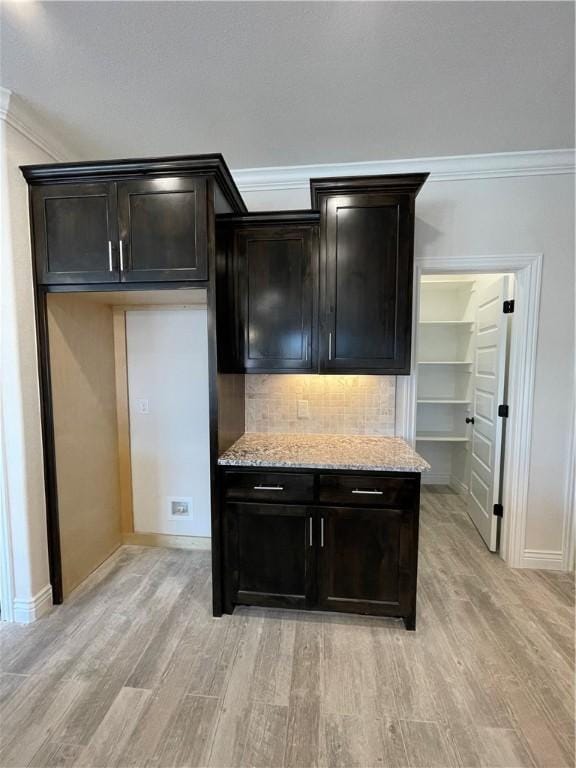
352 558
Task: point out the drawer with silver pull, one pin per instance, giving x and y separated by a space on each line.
269 486
368 491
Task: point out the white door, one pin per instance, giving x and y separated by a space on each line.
488 383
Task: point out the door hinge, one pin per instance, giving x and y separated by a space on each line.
503 411
508 307
498 510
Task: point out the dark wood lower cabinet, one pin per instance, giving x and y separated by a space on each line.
352 558
365 561
269 555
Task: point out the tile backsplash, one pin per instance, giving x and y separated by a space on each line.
345 405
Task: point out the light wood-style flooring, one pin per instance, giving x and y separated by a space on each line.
134 671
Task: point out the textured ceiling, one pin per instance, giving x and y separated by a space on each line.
293 83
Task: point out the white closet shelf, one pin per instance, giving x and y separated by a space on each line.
446 322
438 437
463 281
442 401
444 362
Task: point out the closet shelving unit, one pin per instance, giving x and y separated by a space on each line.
444 356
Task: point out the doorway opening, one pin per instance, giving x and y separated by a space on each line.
129 393
462 360
527 272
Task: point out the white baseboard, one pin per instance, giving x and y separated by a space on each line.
435 478
546 560
27 611
167 540
458 486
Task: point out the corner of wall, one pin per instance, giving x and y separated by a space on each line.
25 590
25 611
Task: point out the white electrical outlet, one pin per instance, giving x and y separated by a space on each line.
179 507
143 406
303 409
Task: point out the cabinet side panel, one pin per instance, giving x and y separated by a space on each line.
85 434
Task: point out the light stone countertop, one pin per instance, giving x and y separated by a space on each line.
381 454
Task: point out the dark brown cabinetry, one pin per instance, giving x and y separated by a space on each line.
366 272
273 286
162 225
366 561
127 221
338 304
75 230
132 231
269 555
329 541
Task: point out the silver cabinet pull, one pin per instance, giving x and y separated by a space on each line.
306 346
371 493
321 531
330 346
268 487
310 526
110 265
121 257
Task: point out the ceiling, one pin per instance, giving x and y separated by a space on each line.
275 83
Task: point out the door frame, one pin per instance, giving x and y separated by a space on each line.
527 271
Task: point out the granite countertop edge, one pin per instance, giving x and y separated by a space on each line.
317 465
248 452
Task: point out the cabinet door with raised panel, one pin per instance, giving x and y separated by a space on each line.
75 233
163 229
367 560
268 554
366 271
277 288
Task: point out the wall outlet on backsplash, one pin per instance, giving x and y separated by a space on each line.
303 409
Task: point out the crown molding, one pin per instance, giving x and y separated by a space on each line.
22 118
457 168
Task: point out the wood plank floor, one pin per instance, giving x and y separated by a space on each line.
133 670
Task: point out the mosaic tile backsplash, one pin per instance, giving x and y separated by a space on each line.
337 405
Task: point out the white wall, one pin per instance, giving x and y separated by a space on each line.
22 475
168 367
500 215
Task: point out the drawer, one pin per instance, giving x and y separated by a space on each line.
368 491
269 486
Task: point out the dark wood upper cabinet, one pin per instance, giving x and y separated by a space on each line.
273 288
128 220
75 233
163 229
366 272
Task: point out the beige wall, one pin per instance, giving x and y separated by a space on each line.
344 405
85 430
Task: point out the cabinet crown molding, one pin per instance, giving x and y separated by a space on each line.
394 183
110 170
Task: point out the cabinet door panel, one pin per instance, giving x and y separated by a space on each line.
367 560
75 233
163 229
269 553
367 284
277 269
